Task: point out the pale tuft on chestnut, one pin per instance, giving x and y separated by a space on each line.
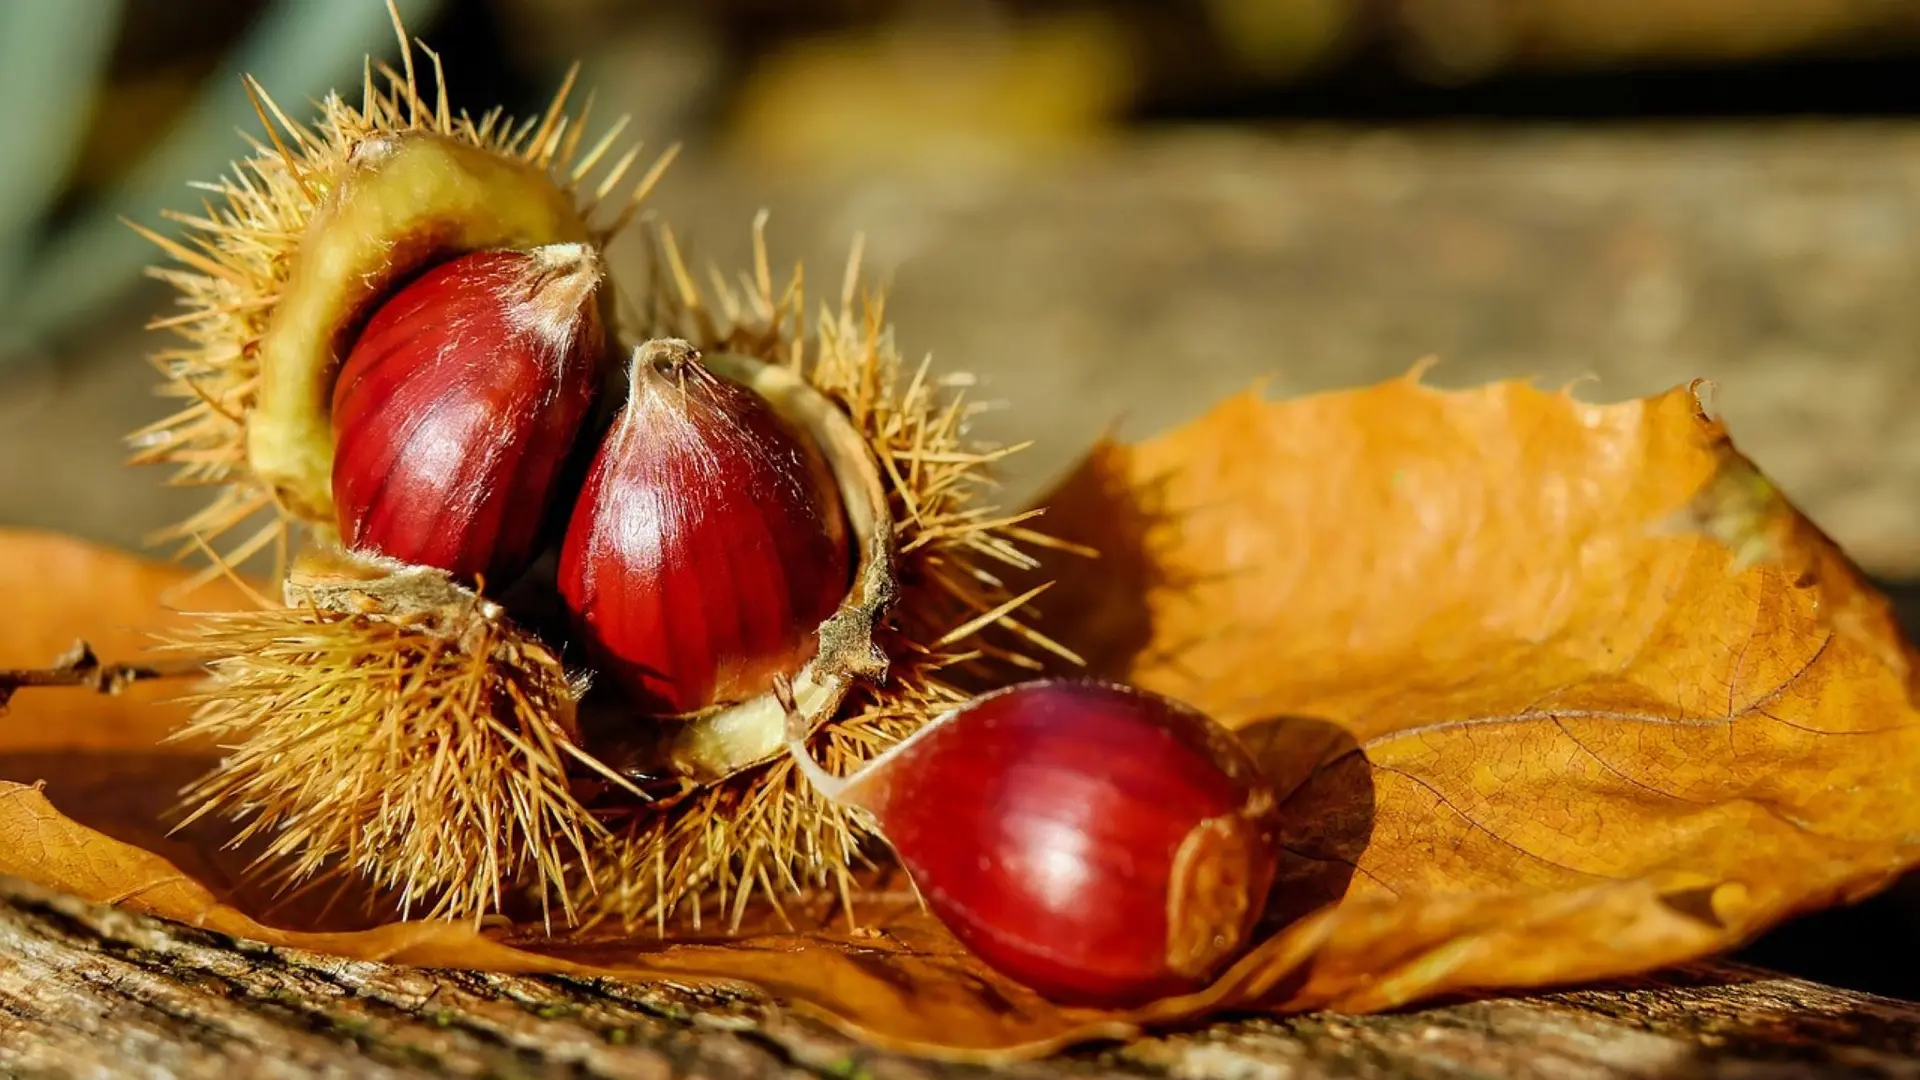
1103 845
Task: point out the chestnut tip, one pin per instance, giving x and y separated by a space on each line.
558 284
671 357
372 149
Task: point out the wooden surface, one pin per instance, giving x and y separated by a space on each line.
94 992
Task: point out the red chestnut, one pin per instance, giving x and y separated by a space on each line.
458 406
1104 845
708 544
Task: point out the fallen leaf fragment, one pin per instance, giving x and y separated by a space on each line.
1552 692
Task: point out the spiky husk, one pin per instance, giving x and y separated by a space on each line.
427 751
426 759
766 833
235 256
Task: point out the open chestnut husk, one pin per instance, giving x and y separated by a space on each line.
1101 844
393 331
350 441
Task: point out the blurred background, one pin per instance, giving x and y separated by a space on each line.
1115 211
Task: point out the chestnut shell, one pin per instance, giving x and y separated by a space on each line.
707 546
1101 844
458 407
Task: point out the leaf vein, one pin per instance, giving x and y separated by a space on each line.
1496 837
1340 860
1618 772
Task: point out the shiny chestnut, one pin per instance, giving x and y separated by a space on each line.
459 404
707 545
1103 845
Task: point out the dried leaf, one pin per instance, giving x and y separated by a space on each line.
59 591
1553 691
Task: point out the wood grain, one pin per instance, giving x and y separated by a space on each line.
88 991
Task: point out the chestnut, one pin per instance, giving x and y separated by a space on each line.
1104 845
708 544
458 407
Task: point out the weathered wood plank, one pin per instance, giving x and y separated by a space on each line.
89 991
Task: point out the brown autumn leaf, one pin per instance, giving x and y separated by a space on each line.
1553 692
